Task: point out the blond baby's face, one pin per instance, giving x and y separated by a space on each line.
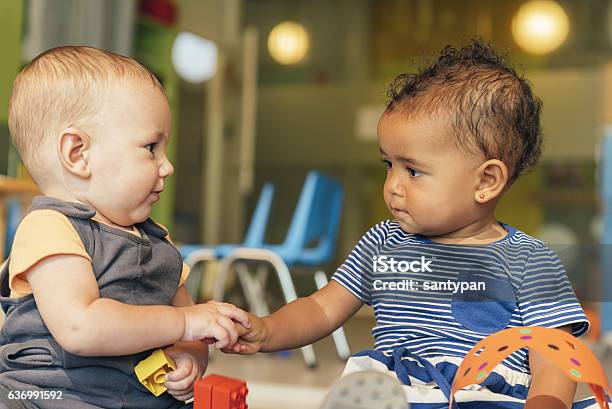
128 154
430 183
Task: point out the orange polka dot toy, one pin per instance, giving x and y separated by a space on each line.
567 352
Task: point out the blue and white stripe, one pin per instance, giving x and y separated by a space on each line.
527 277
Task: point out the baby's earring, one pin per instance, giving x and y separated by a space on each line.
481 196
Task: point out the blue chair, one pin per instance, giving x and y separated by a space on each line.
310 241
193 254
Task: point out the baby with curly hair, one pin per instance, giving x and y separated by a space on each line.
444 273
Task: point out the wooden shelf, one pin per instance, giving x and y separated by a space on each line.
10 185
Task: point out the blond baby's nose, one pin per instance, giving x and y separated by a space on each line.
166 168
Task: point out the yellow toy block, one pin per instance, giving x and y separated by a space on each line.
151 372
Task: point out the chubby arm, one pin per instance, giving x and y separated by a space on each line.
69 302
197 349
191 358
301 322
550 387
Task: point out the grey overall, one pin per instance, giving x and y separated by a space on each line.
133 270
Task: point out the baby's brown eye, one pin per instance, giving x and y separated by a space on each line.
150 147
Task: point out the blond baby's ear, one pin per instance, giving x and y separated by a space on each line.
493 177
73 151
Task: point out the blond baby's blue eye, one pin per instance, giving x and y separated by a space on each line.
414 173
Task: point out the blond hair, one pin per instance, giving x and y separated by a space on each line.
60 88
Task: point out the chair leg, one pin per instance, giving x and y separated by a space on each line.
258 287
222 272
342 346
288 288
244 276
253 291
262 273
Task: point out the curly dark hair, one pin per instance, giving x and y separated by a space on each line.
492 108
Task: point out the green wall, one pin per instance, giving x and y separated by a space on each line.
10 45
11 17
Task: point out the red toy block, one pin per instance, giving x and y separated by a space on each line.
202 395
220 392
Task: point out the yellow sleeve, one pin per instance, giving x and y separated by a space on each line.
42 233
184 274
186 269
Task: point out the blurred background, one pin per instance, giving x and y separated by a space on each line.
267 90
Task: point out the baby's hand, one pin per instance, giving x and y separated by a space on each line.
214 320
251 339
188 370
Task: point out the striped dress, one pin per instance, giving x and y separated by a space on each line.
433 302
